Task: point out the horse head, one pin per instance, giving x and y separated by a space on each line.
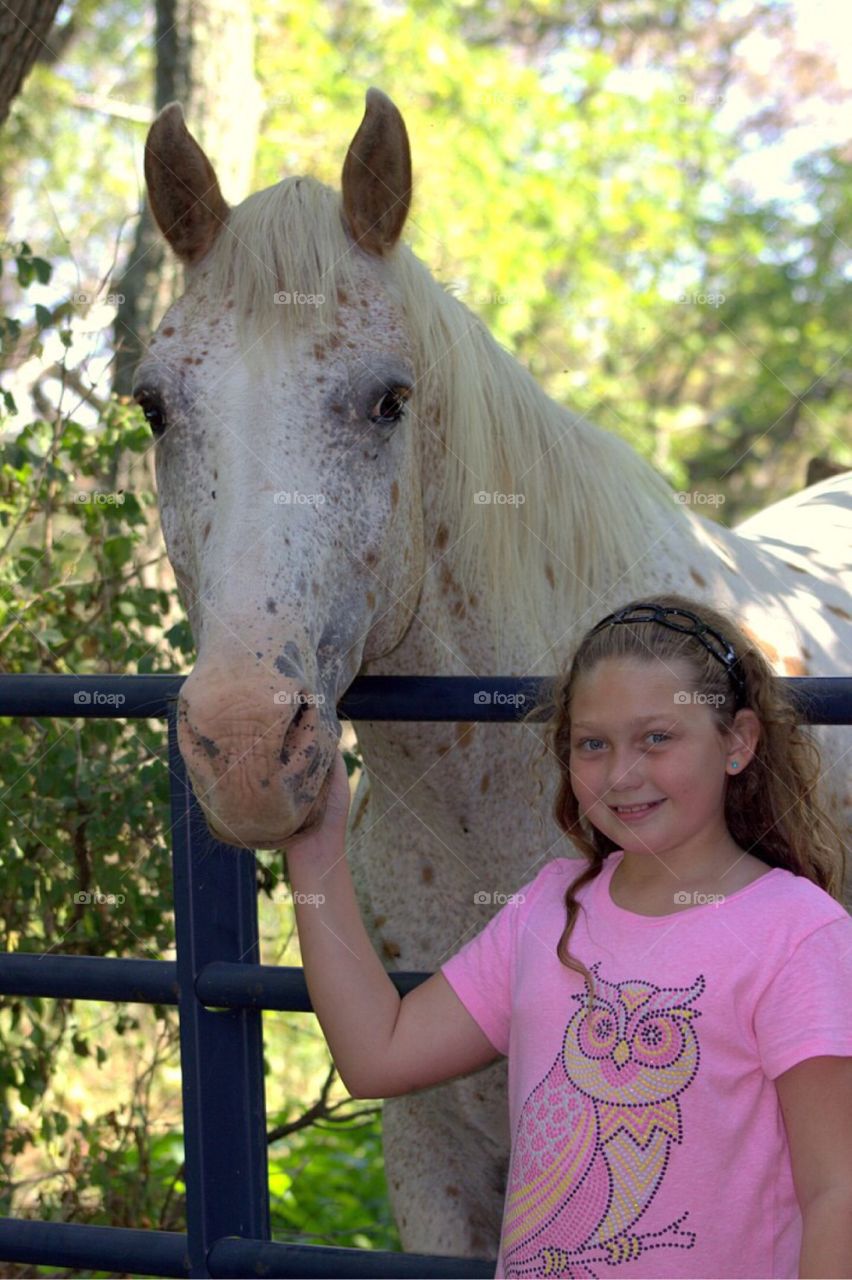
277 390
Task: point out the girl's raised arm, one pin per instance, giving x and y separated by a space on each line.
381 1045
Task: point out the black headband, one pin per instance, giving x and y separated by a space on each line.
664 615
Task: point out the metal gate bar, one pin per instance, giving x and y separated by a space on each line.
219 985
224 1104
165 1253
822 699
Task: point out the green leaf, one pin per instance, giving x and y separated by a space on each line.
180 637
118 549
80 1045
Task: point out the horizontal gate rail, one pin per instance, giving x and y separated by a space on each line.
70 1244
164 1253
822 699
220 984
231 1257
88 978
215 903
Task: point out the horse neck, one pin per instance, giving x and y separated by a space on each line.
452 630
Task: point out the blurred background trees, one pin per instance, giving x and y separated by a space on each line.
648 203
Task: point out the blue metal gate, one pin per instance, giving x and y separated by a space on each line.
217 967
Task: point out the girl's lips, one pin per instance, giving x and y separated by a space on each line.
637 814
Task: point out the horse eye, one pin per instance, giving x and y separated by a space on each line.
152 407
391 406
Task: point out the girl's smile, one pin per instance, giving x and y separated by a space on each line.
635 813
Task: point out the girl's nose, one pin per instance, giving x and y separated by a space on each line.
626 771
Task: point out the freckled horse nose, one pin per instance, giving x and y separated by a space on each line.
256 750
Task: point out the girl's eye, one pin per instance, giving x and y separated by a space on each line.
655 733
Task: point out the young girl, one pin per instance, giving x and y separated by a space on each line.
680 1080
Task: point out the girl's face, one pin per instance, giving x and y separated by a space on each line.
638 737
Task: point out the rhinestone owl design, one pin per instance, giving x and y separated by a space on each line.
592 1141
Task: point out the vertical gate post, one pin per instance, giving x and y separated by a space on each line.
224 1109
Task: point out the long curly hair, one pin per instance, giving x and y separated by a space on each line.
772 809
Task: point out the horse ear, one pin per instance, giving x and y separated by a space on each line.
182 187
377 176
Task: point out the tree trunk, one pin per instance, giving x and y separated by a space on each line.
24 26
205 60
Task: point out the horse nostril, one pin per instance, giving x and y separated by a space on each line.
302 707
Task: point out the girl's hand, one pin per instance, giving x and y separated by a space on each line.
330 833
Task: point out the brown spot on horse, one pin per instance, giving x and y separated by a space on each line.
795 667
768 650
448 582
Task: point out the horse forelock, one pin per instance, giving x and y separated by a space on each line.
288 239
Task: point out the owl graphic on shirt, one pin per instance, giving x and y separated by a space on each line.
592 1141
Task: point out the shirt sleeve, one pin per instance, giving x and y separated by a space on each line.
481 972
806 1011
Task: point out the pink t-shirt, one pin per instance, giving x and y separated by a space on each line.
647 1136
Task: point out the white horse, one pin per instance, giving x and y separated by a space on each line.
328 418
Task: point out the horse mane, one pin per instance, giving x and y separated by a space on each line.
593 508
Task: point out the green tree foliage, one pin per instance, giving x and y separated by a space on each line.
85 869
595 140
